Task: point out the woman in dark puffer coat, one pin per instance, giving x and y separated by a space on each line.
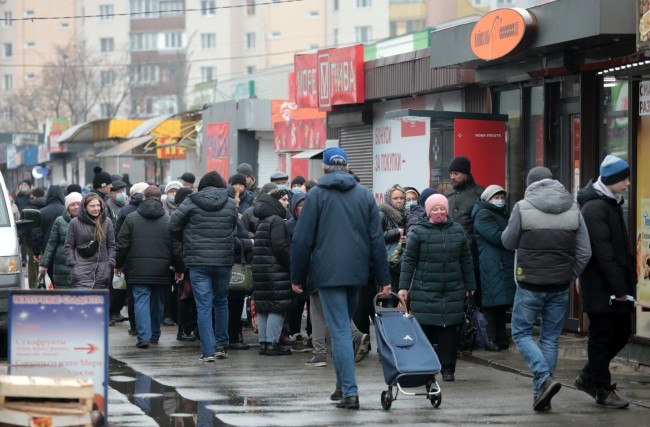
437 274
54 254
271 282
496 264
92 223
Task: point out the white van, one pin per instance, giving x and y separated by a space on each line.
11 274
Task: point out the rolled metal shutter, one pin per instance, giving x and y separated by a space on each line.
267 160
357 143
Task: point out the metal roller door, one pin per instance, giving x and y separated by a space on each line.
267 161
357 143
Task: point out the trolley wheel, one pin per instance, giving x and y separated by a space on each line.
386 400
436 400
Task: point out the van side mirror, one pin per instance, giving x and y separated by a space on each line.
29 218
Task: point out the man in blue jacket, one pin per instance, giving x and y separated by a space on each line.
339 234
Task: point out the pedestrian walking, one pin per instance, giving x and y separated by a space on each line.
170 200
496 264
146 242
550 236
54 255
436 277
339 236
462 197
393 223
32 238
187 180
205 223
53 209
116 199
271 285
608 280
90 245
251 181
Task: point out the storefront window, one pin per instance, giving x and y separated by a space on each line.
614 119
510 104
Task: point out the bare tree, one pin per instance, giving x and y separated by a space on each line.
80 85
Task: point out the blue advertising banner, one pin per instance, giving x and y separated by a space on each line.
61 333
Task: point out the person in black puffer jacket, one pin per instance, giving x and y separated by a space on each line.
147 243
436 275
607 281
205 222
271 266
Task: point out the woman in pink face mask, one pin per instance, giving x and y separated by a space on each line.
436 275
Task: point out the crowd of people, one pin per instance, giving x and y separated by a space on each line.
324 247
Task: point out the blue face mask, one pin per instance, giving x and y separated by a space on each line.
120 197
409 205
296 190
498 203
283 187
85 190
170 198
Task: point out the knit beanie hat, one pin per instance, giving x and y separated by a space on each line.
278 194
101 178
172 185
436 200
491 191
181 195
426 193
537 174
72 198
613 169
212 179
138 187
188 177
268 187
299 180
460 164
245 169
238 178
72 188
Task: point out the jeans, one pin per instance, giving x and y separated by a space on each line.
339 303
552 306
149 308
269 327
210 288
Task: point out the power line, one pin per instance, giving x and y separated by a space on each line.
152 12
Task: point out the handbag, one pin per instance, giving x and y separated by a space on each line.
467 329
88 249
394 253
43 282
241 277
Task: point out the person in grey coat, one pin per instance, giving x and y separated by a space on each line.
552 242
95 270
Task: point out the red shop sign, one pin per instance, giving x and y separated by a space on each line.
340 77
217 148
305 80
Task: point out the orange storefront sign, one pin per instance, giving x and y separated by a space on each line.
500 32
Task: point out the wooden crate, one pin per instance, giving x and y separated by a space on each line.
45 402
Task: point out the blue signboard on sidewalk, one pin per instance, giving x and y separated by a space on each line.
62 333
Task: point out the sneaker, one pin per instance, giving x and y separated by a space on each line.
607 398
585 386
206 359
317 360
142 344
274 349
549 388
300 347
361 349
221 353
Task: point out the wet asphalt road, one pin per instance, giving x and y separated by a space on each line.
166 385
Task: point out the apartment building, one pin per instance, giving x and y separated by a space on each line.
357 21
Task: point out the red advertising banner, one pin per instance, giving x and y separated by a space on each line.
170 152
484 143
300 167
217 148
292 85
56 128
306 93
299 135
413 128
340 76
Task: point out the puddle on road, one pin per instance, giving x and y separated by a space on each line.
164 404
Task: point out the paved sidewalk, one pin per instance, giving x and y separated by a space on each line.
632 384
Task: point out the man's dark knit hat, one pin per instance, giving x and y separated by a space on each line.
460 164
101 178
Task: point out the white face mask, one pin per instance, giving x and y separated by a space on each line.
498 203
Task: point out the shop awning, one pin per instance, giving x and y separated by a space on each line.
98 130
124 147
440 117
309 154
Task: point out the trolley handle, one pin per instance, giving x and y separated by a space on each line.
400 308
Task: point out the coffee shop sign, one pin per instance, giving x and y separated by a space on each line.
330 77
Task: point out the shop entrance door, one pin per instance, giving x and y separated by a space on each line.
565 156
